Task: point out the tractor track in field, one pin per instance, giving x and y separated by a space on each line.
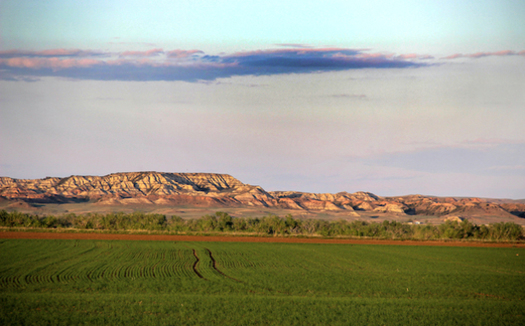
195 264
192 238
214 265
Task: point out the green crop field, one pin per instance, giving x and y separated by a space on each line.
70 282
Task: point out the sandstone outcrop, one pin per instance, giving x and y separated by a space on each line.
396 208
223 190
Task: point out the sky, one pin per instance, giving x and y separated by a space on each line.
390 97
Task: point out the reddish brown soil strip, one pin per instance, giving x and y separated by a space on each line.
159 237
214 264
195 264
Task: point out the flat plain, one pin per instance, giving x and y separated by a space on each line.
240 283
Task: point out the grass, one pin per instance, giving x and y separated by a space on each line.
191 283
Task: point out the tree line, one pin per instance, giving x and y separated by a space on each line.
222 222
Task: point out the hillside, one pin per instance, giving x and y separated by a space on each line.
224 191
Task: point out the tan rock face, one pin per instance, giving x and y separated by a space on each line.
396 208
212 190
288 203
130 184
364 206
319 205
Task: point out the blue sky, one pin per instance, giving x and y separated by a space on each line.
392 97
236 25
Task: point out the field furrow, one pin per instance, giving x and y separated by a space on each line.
214 265
179 281
195 264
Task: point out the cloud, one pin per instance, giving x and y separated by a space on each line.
51 53
295 45
149 53
454 56
54 63
132 43
8 77
157 64
296 51
194 65
182 53
485 54
415 56
312 60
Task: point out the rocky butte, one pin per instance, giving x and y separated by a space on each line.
223 190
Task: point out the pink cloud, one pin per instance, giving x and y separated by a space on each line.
375 55
145 65
414 56
55 63
182 53
484 54
407 56
505 52
453 56
149 53
364 56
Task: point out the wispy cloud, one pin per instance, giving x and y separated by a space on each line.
295 45
485 54
182 53
193 65
54 63
131 43
309 60
148 53
411 56
58 53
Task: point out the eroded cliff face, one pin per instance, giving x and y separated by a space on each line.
134 187
223 190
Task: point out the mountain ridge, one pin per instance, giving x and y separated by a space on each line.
223 190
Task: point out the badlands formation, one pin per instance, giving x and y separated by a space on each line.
222 192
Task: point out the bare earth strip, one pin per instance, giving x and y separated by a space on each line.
158 237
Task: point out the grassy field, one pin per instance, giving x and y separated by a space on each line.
195 283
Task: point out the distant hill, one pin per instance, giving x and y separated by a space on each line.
223 190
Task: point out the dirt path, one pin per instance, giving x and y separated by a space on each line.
158 237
